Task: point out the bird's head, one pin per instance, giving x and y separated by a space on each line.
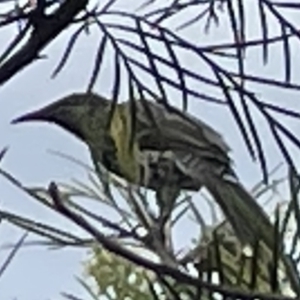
77 113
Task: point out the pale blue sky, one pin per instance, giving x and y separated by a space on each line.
37 273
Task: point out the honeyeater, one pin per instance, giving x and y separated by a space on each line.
160 146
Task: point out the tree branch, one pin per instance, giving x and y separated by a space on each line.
158 268
46 29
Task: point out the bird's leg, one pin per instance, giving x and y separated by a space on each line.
160 166
167 195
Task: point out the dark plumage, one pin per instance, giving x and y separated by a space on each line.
178 150
184 152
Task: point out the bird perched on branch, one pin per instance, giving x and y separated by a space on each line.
156 146
159 147
163 149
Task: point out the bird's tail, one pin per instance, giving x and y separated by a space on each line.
246 216
248 220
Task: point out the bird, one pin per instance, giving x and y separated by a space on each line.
163 149
168 148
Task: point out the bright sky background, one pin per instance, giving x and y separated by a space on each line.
37 273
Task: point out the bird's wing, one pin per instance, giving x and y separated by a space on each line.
181 125
194 143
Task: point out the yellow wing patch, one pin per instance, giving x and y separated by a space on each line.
127 154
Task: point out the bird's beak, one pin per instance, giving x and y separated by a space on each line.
38 115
